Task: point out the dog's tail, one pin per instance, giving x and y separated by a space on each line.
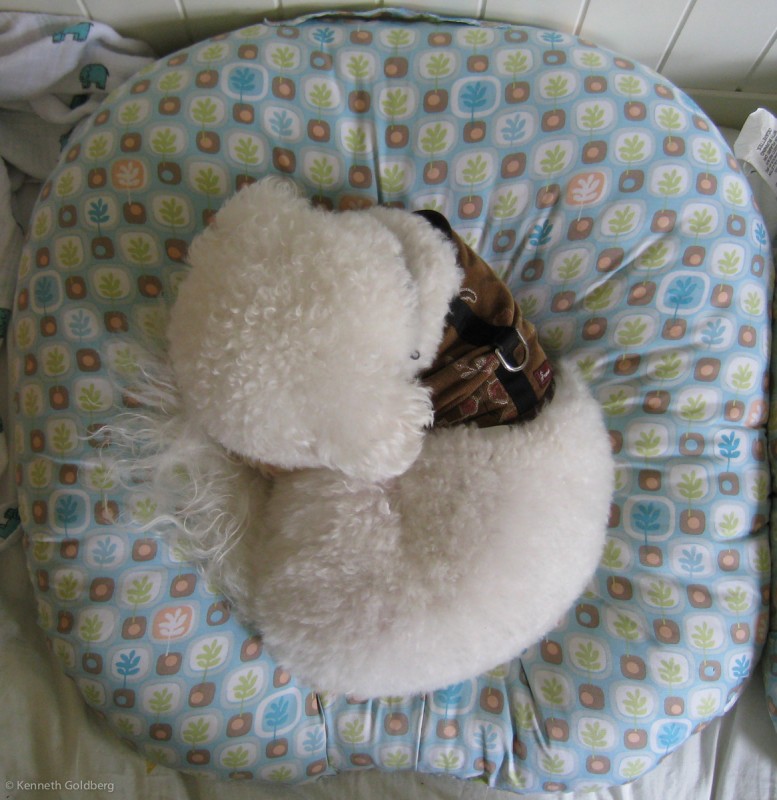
179 483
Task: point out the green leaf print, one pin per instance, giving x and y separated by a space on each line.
358 67
476 170
90 398
210 656
728 263
671 183
703 636
632 332
735 194
626 628
557 87
648 444
690 486
283 58
668 367
629 85
321 172
594 735
448 760
165 142
130 114
213 53
476 37
694 408
669 671
98 147
435 139
171 212
669 119
632 149
516 63
660 594
235 758
399 37
611 555
552 691
588 656
55 361
207 181
394 104
204 111
70 255
353 731
247 151
742 379
700 222
140 591
320 96
356 140
622 221
708 153
593 118
392 179
635 704
736 600
91 628
161 701
553 764
554 161
196 732
171 82
110 286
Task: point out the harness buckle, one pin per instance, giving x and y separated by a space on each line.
503 360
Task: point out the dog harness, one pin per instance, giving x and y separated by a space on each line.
490 368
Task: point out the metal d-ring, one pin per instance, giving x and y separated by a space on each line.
513 367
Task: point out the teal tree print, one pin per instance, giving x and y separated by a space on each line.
243 81
474 97
127 664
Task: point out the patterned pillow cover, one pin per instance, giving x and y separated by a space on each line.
614 210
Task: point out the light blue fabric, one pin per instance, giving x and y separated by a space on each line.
616 213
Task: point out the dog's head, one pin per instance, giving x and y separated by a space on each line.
298 334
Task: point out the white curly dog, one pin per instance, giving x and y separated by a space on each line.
376 555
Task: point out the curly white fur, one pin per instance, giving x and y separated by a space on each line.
391 559
292 337
446 571
400 586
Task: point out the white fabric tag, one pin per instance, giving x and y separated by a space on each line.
757 145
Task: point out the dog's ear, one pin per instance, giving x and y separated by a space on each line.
436 220
294 333
431 259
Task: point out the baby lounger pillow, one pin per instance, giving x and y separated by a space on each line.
613 209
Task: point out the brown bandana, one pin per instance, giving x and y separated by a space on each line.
490 368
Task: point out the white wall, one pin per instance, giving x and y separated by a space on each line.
723 52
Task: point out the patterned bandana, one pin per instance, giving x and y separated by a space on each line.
490 368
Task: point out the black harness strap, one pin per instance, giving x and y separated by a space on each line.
505 338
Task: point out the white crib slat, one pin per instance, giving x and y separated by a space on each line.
715 53
64 7
458 8
637 29
158 22
206 18
763 76
560 15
